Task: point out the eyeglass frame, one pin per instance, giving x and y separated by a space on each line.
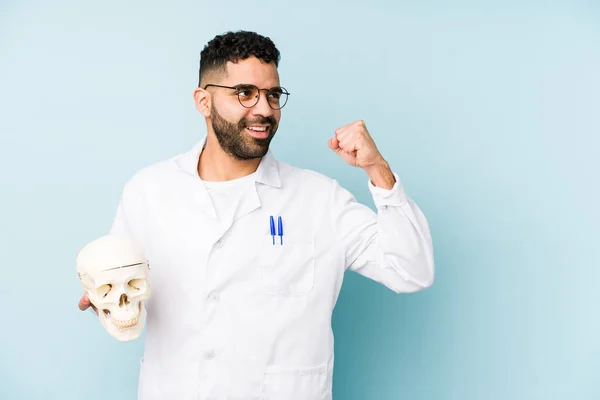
241 85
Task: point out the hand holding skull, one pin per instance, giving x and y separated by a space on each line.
114 274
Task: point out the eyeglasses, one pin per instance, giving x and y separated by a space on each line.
248 95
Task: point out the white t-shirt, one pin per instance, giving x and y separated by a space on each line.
228 195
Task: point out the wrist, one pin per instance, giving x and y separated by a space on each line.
381 174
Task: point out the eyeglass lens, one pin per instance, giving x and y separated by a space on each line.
250 94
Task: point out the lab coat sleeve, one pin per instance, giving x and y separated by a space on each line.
120 225
393 245
128 220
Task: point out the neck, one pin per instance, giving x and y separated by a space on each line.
215 165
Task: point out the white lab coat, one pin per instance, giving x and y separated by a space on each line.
233 316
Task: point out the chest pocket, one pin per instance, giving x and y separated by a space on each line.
286 270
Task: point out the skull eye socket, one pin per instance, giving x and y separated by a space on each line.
137 284
103 290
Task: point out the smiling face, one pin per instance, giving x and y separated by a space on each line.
244 133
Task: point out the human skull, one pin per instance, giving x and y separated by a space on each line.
114 273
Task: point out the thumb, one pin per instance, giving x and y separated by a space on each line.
84 302
334 144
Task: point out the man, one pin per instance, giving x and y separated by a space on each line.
248 253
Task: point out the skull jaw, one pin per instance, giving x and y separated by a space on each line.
124 332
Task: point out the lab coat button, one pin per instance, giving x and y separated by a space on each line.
214 296
209 355
219 243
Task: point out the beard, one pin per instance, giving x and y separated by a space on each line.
234 140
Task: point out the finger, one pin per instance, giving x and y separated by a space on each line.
84 302
341 132
345 139
348 142
343 128
333 143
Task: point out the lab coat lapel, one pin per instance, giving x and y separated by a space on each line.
266 174
188 163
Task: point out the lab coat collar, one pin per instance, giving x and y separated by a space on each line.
267 172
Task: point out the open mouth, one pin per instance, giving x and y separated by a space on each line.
259 131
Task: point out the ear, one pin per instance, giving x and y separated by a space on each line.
202 100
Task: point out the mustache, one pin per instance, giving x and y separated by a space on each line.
261 120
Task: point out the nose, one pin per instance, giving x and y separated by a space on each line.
262 108
123 300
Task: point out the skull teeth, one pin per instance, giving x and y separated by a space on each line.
124 324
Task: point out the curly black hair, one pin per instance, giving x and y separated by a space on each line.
235 47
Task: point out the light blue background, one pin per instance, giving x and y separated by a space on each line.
489 113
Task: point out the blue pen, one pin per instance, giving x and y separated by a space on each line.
273 229
280 229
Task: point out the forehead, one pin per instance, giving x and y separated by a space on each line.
253 71
114 275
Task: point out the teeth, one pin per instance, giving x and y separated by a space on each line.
124 324
258 128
